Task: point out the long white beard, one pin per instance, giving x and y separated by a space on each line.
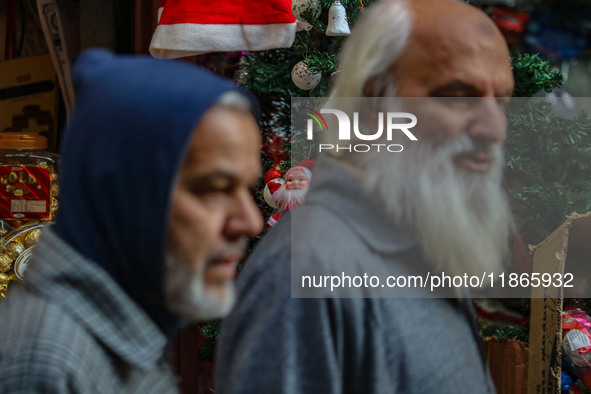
187 296
288 199
462 220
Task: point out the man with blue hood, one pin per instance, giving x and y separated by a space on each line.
157 162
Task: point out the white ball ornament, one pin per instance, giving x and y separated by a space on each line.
298 7
303 78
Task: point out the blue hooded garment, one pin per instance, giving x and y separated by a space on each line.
132 122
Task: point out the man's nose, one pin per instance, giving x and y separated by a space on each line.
488 122
245 219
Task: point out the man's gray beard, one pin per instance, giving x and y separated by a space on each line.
462 220
187 296
288 199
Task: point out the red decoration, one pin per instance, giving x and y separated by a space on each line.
275 149
272 174
188 27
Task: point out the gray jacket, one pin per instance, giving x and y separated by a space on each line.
68 328
273 343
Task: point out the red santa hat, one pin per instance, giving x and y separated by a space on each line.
189 27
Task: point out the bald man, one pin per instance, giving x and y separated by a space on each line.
439 204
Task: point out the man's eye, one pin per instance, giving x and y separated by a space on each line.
206 190
462 100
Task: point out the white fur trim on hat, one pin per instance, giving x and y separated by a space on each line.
188 39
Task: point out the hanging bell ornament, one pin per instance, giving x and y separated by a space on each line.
337 20
303 78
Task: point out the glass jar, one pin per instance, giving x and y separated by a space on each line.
28 179
15 253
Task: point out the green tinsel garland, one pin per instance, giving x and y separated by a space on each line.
533 74
548 157
506 333
210 331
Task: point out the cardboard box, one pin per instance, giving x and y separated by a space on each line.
508 361
29 96
517 368
569 246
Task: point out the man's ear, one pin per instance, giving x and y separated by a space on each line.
379 85
369 87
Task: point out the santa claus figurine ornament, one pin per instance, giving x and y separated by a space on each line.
287 192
